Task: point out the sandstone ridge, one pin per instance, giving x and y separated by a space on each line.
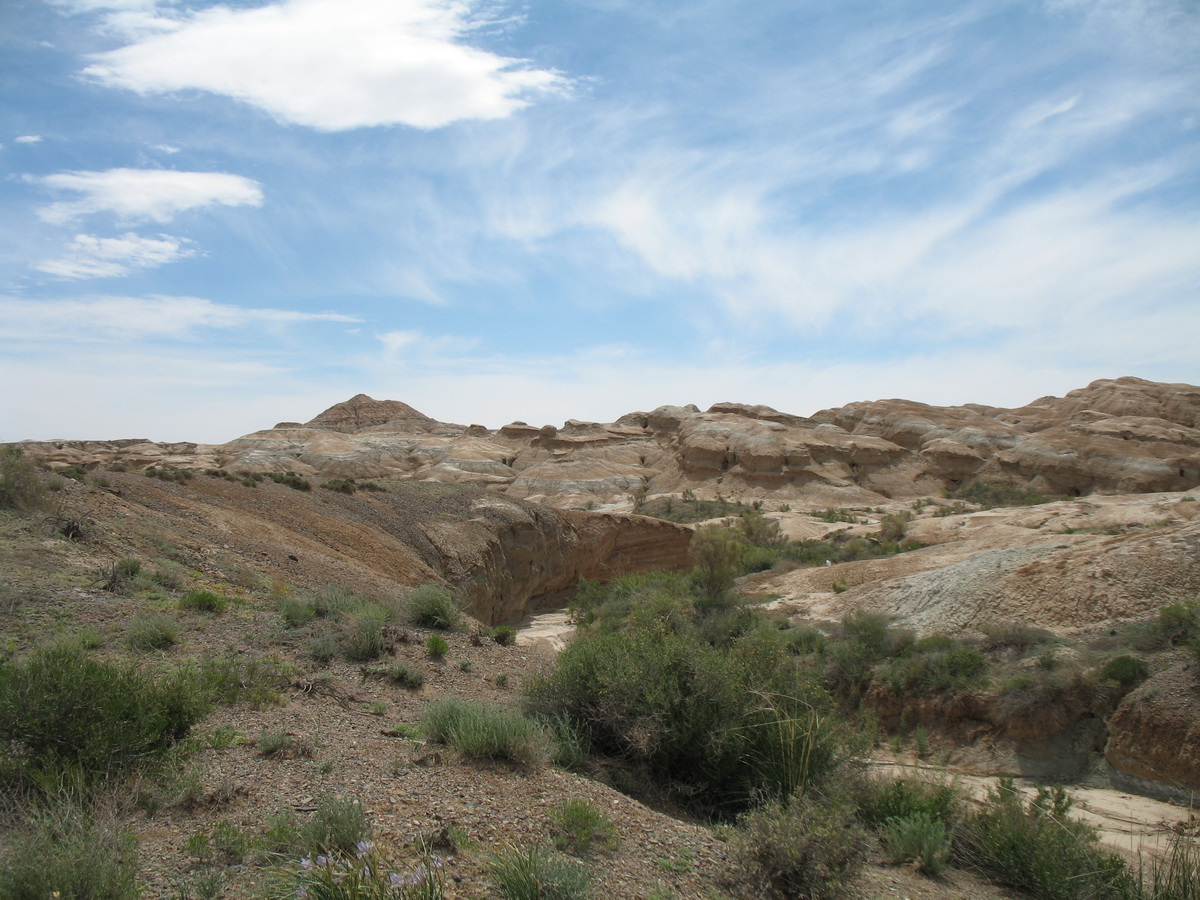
1122 435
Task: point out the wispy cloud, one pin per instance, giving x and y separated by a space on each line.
333 64
28 139
96 257
130 319
145 194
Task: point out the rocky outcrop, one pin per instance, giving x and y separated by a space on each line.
1123 435
1154 736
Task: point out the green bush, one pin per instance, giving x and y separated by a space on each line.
323 647
152 631
63 712
70 853
202 601
336 826
933 665
20 487
714 723
362 639
799 847
504 635
1179 623
919 838
578 824
1125 670
437 646
1037 847
879 800
297 611
534 874
481 731
406 677
433 606
232 678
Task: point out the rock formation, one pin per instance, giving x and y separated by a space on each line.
1123 435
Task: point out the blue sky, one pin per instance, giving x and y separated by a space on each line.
218 216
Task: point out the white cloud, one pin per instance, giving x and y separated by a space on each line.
333 64
28 139
96 257
129 319
146 194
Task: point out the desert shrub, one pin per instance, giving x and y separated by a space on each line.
68 852
152 631
437 646
121 575
297 611
935 665
20 487
704 721
278 744
919 838
364 876
292 480
717 553
1013 636
331 601
202 601
63 712
504 635
805 639
759 531
893 527
362 638
1037 847
992 495
879 800
336 826
1125 670
481 731
578 824
801 846
405 677
1173 874
233 678
433 606
323 647
1179 623
535 874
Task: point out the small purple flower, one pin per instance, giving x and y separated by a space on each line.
306 863
363 848
322 861
395 880
438 862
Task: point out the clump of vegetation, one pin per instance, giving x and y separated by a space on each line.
1036 846
292 480
919 838
66 715
351 485
535 874
362 637
20 487
707 704
70 851
688 509
989 496
481 731
152 631
121 576
433 606
935 663
579 825
799 847
1125 670
504 635
203 601
1014 636
336 827
437 646
170 473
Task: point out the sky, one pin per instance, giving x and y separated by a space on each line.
218 216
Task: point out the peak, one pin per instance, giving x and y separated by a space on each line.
361 411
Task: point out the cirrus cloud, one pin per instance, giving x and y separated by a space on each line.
96 257
333 64
145 194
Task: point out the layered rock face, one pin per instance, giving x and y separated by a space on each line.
1122 435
